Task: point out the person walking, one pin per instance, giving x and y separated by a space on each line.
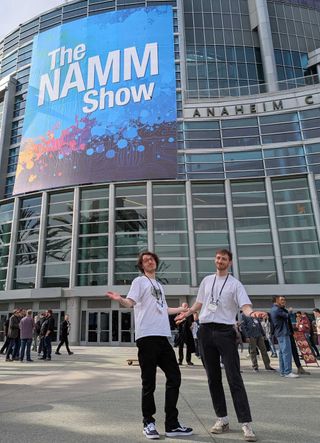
152 329
280 323
64 332
220 297
26 326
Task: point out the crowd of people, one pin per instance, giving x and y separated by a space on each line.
25 333
213 328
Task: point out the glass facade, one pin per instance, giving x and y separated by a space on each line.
56 270
121 212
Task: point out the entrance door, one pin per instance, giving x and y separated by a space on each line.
107 327
98 327
126 327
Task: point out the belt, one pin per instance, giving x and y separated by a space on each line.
217 326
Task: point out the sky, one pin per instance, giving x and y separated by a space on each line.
15 12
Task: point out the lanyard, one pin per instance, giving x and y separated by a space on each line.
213 301
156 292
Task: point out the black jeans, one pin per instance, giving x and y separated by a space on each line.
188 353
218 340
156 351
65 341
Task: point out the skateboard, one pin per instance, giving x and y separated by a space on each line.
133 362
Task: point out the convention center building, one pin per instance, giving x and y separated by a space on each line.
178 127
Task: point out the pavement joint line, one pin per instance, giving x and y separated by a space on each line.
197 417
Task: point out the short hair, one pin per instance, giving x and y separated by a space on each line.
316 310
140 259
299 312
29 312
225 252
275 297
49 311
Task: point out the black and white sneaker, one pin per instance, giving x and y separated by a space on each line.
150 431
179 430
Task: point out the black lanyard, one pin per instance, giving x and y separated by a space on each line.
213 301
156 292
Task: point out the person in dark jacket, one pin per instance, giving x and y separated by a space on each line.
7 340
13 334
186 338
64 332
253 331
47 331
280 321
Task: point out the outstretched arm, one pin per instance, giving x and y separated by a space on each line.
126 302
196 307
177 310
248 311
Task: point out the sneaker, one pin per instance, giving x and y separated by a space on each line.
219 427
269 368
58 353
256 369
248 433
292 375
179 430
150 431
274 355
70 353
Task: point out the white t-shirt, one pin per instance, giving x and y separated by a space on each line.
150 317
233 296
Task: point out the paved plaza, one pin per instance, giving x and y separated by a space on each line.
93 396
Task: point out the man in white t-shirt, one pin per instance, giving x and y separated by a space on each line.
152 329
219 299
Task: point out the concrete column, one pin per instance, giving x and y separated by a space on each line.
73 309
42 240
274 232
182 51
74 238
232 232
111 234
150 216
13 244
192 246
259 18
314 202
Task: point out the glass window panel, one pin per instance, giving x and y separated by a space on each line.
247 238
283 152
301 235
279 118
255 250
281 138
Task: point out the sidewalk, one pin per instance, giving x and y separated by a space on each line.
93 396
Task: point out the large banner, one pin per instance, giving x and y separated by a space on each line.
304 348
101 102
